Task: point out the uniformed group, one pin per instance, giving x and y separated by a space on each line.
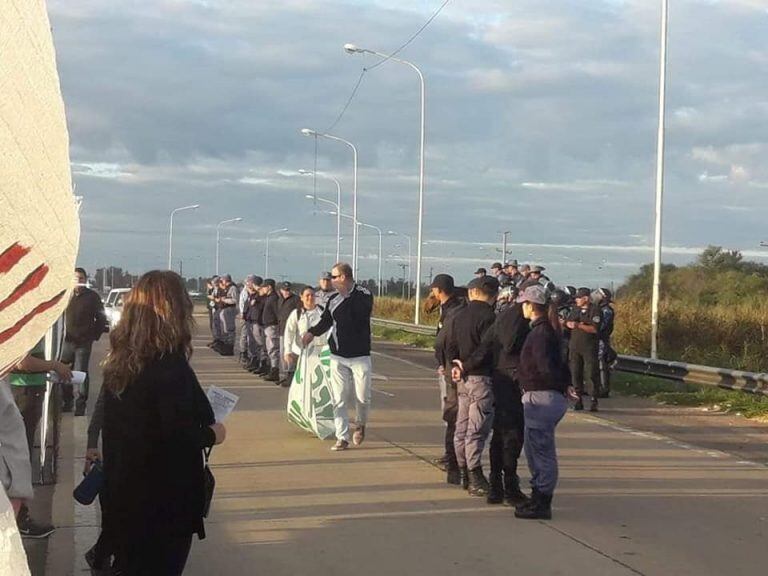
265 309
511 349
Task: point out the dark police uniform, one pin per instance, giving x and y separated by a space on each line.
606 355
582 352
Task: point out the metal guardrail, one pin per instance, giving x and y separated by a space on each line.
753 382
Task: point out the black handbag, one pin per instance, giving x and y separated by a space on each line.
209 483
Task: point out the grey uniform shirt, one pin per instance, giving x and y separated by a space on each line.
15 467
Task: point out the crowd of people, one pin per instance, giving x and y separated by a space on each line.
511 349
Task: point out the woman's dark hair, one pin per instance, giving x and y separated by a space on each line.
300 304
549 310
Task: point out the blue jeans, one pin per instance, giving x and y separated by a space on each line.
543 411
79 356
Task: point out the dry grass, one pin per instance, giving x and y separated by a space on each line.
401 310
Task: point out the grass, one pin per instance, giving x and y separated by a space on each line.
682 394
395 335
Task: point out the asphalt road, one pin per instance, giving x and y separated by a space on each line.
638 495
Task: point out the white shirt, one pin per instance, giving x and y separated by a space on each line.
297 326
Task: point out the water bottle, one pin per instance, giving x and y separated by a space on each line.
89 488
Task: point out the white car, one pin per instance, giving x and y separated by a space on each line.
113 305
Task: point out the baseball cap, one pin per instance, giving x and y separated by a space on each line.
326 276
285 286
538 269
534 294
258 280
496 265
250 278
487 284
512 263
525 267
582 292
481 271
226 277
444 282
269 282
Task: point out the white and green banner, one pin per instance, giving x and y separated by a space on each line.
310 404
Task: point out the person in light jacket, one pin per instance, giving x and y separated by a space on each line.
307 314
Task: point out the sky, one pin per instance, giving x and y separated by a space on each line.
541 119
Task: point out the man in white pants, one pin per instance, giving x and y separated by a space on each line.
348 316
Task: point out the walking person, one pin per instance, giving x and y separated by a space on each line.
444 291
287 305
473 383
544 378
85 323
348 317
270 320
157 422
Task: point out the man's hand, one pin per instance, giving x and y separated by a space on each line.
571 393
63 371
92 455
306 338
457 372
571 324
221 432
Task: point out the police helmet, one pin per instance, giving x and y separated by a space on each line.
607 295
559 297
571 291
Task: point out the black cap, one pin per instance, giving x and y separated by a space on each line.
487 284
496 265
269 282
444 282
258 280
512 263
285 286
582 292
481 271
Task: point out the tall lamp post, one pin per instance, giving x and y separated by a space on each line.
218 238
338 207
266 253
308 132
170 235
352 49
378 280
504 236
659 181
393 233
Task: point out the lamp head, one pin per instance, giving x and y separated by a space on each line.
308 132
305 172
351 48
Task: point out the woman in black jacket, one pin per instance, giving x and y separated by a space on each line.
544 378
157 421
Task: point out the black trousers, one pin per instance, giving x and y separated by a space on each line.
508 425
450 413
165 556
585 369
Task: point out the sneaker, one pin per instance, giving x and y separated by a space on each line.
28 528
340 445
358 436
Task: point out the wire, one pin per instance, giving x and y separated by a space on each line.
395 53
349 101
412 38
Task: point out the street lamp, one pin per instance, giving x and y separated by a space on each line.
659 181
393 233
218 238
352 49
170 235
378 281
504 246
266 253
308 132
338 206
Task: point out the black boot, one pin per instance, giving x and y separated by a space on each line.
443 462
593 405
513 496
478 484
453 476
286 382
264 368
496 490
540 507
243 358
273 376
464 477
252 365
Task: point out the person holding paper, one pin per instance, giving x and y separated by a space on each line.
157 422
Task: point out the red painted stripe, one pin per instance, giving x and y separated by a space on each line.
11 256
9 333
32 281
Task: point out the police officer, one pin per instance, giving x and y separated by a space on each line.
584 323
507 296
563 304
512 271
243 299
269 321
480 272
606 354
535 276
501 346
324 290
289 302
212 287
254 332
227 314
497 271
475 415
444 291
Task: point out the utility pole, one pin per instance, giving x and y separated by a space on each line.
404 266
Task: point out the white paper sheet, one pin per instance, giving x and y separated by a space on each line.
222 402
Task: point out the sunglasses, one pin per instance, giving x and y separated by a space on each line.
333 277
